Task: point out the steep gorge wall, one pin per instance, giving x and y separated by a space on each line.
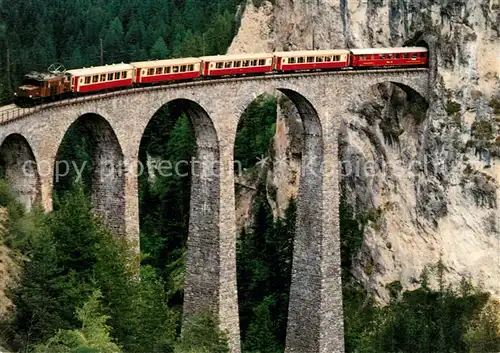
433 191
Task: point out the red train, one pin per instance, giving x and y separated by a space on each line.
39 87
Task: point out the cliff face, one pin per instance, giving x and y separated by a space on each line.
433 186
6 265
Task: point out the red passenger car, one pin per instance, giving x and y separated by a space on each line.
101 77
389 57
221 65
311 60
166 70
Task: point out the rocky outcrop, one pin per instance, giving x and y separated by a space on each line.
6 265
432 185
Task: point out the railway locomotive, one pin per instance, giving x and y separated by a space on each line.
60 84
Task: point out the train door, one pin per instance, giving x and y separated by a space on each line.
52 89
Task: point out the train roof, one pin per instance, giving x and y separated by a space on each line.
43 76
100 69
311 52
237 57
388 50
166 62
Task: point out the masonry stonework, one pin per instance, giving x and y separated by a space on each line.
315 323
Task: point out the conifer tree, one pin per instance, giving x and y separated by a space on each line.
94 334
159 50
114 43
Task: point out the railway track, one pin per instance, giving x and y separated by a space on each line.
11 112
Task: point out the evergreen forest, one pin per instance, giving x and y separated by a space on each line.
75 291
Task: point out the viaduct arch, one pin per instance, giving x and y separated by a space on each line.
108 194
315 323
18 166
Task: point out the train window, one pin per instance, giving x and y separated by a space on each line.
159 70
227 65
175 69
151 72
117 75
237 64
413 55
124 74
310 59
407 55
319 59
246 63
87 80
110 77
337 58
291 60
103 77
363 57
254 62
95 78
381 56
262 62
300 60
398 56
183 68
389 56
191 67
422 55
328 58
167 70
219 65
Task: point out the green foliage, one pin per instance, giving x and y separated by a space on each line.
482 130
264 260
92 336
5 196
483 333
452 108
38 33
159 50
261 336
164 204
421 320
255 131
202 335
40 306
113 41
71 255
219 35
74 155
495 105
18 222
142 320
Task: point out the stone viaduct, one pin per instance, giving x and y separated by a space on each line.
116 121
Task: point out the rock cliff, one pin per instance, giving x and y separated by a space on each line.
432 188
